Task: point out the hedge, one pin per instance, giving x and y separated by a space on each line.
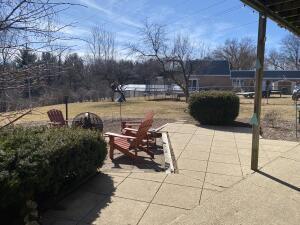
39 163
214 107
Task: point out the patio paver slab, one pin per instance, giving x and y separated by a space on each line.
224 168
187 178
178 196
190 164
118 211
143 190
160 215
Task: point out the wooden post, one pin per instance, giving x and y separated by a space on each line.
258 88
66 100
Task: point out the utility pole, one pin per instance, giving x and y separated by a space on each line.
29 91
258 89
27 73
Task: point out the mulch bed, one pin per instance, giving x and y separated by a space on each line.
285 130
115 125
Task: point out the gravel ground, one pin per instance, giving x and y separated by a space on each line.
115 125
286 130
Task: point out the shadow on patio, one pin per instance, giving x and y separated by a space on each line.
87 201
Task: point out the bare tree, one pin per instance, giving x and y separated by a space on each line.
275 60
240 54
31 22
290 49
102 49
175 57
6 52
102 44
182 61
25 23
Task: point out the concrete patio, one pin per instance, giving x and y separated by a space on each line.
214 164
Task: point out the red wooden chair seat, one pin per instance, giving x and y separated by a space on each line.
122 143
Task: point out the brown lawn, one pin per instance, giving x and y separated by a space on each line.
164 109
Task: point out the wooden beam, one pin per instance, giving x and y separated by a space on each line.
258 88
296 23
285 6
261 6
289 14
277 2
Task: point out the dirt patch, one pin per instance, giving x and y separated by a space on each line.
115 125
286 131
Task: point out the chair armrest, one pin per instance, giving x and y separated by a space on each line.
109 134
130 129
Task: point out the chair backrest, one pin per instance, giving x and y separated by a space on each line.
56 116
149 115
141 133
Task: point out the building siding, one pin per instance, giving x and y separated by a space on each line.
214 81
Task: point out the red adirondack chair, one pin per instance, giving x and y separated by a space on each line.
127 128
127 144
56 118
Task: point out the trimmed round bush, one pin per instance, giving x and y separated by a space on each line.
214 107
39 164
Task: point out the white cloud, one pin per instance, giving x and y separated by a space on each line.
112 16
78 31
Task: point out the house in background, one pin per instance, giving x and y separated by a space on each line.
216 74
210 74
283 80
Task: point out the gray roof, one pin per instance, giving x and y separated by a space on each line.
272 74
211 67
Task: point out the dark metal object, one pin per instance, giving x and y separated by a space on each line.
88 120
66 100
296 114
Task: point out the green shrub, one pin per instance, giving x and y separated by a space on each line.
214 107
38 164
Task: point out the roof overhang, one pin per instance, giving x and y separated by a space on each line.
284 12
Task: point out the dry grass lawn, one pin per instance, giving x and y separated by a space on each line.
285 106
164 109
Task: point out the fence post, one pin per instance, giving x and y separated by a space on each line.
66 98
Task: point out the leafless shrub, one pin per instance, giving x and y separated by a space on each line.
273 118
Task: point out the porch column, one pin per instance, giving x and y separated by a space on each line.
258 88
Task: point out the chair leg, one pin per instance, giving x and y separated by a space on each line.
111 152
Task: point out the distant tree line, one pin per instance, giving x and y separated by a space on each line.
36 70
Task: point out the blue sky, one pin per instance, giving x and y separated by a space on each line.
207 21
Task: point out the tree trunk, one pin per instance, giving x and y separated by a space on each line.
187 95
112 96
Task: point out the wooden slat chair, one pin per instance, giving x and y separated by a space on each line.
148 116
127 144
127 128
56 118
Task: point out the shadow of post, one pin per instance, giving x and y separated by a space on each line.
279 180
